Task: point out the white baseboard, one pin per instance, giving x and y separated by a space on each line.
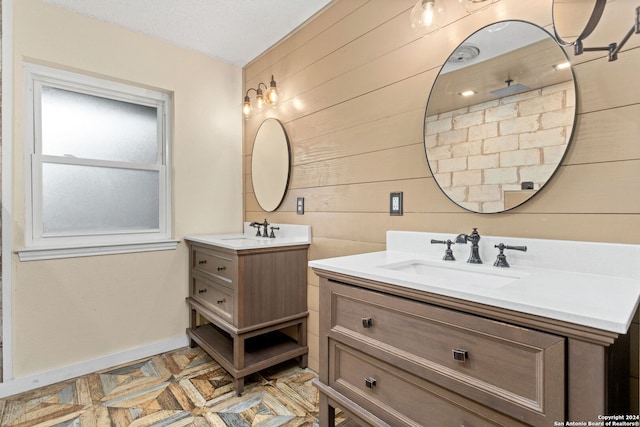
20 385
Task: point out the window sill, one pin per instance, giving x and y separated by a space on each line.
37 254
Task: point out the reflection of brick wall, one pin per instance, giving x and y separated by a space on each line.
479 152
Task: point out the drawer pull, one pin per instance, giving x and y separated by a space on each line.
367 322
202 291
370 382
222 301
460 355
202 261
222 268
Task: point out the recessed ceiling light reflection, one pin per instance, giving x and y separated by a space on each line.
467 93
562 66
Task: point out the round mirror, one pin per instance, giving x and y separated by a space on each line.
270 164
500 116
575 19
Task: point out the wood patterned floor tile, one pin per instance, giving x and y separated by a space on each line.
127 379
182 388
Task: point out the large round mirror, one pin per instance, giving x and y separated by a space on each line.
500 116
575 19
270 164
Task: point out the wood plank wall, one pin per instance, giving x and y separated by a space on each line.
354 83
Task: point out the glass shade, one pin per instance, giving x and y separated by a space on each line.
426 16
272 92
246 106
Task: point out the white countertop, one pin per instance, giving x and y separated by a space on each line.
287 235
576 289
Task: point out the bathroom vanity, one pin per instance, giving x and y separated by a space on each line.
407 338
251 293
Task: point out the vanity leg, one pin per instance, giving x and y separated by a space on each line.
238 385
327 413
193 319
238 362
302 340
303 361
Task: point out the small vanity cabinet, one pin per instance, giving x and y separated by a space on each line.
248 297
394 356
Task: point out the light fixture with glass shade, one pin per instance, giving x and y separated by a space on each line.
425 16
270 97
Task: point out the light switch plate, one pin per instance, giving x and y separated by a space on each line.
395 203
300 206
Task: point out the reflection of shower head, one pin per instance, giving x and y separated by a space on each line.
510 89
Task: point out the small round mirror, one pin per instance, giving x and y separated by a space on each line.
575 19
500 116
270 164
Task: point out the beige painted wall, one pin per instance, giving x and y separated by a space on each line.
354 84
72 310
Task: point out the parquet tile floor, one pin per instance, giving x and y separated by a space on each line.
176 389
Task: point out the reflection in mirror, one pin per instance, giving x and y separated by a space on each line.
270 164
575 19
499 117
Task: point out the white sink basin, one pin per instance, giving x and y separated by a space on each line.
469 275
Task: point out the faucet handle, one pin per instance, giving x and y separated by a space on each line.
448 254
273 235
501 260
256 225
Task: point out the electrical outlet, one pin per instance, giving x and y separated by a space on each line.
300 206
395 203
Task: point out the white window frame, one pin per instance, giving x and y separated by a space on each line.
40 245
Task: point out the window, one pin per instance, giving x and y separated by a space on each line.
97 166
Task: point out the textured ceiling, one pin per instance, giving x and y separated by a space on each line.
234 31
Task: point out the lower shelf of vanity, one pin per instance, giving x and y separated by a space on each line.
260 352
242 353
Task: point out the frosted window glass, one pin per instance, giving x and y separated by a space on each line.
93 127
96 199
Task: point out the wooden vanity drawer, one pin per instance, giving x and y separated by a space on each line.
218 264
218 298
399 398
512 369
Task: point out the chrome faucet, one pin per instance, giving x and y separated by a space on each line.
474 238
265 226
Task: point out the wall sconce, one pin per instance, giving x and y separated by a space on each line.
426 14
559 15
270 97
